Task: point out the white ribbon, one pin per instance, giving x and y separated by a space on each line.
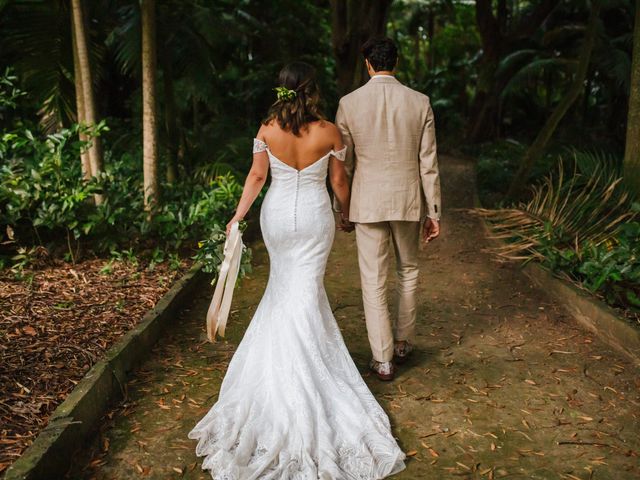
221 302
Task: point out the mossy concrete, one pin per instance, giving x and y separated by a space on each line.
50 455
501 379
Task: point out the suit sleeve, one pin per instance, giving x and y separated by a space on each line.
347 139
429 172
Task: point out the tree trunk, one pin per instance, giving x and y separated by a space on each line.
502 16
85 79
149 109
632 147
353 22
535 151
85 161
417 58
485 110
170 119
431 33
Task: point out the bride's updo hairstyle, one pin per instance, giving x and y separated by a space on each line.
293 111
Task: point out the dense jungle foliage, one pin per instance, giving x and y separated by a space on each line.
517 84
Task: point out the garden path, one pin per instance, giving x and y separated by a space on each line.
503 383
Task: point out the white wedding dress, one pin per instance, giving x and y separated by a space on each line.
292 404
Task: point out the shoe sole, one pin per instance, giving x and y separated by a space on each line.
385 378
382 376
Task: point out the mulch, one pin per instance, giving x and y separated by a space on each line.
55 323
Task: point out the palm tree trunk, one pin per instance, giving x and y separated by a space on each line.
535 151
149 109
87 107
84 156
632 147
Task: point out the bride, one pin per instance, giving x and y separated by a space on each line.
292 404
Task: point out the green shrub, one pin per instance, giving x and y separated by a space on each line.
613 269
45 201
581 221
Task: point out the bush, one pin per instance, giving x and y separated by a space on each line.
581 222
46 204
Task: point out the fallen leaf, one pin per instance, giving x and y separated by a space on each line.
29 330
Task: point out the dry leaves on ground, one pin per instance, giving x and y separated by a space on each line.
55 327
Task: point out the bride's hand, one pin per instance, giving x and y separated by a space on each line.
232 221
345 225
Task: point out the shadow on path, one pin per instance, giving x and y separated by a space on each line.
502 383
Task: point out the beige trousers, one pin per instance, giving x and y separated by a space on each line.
373 241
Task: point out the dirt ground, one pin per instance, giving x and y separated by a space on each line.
503 384
55 323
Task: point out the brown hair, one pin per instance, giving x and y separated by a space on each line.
294 113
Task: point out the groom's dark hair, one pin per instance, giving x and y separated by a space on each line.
381 52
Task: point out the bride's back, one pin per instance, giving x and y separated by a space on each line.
300 151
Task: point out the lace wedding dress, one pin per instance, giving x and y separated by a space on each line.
292 404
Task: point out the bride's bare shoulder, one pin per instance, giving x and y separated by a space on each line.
325 127
266 129
323 124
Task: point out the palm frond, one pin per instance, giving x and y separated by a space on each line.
587 206
532 70
562 34
516 60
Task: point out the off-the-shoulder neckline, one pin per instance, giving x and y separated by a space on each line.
270 153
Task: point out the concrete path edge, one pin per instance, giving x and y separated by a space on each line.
590 312
79 415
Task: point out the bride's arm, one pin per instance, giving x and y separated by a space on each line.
253 184
339 178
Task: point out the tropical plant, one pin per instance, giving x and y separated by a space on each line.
612 269
40 182
580 222
574 206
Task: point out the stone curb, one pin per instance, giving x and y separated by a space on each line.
590 312
78 416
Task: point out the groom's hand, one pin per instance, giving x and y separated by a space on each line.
345 225
430 229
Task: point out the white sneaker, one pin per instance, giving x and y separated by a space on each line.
384 370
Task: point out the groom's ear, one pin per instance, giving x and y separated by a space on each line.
370 69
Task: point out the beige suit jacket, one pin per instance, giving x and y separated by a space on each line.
391 152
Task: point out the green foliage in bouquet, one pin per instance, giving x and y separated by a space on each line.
211 253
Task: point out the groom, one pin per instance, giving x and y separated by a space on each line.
391 158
